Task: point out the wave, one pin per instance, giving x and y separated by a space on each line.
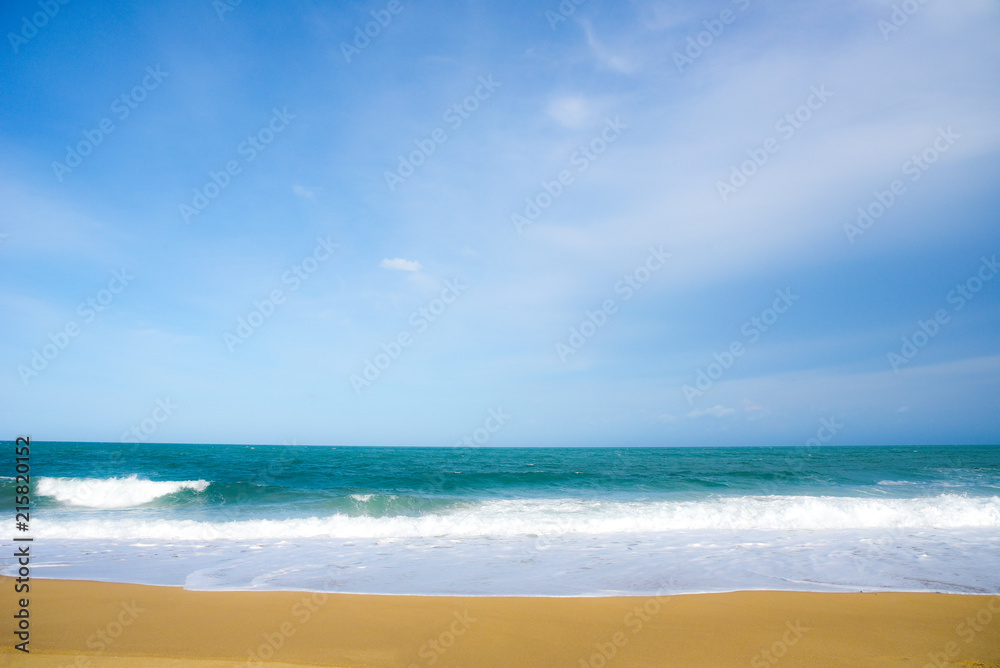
557 517
124 492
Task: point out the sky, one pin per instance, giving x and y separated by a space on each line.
592 223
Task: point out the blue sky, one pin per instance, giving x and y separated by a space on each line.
688 174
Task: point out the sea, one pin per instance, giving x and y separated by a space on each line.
513 521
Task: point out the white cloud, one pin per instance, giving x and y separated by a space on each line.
571 111
753 410
400 264
716 411
663 15
604 56
303 192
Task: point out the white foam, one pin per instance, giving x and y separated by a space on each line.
543 517
122 492
948 560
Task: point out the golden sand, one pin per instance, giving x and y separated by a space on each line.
86 624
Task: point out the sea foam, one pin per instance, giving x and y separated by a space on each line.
123 492
550 517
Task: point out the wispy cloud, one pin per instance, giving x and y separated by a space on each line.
302 191
400 264
717 411
603 54
573 111
537 145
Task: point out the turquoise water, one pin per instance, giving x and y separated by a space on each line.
519 521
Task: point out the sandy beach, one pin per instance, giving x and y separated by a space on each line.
79 623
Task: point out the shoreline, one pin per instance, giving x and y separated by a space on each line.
85 623
844 590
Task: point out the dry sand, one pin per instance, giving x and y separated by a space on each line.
85 624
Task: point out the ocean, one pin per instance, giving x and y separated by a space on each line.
524 521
